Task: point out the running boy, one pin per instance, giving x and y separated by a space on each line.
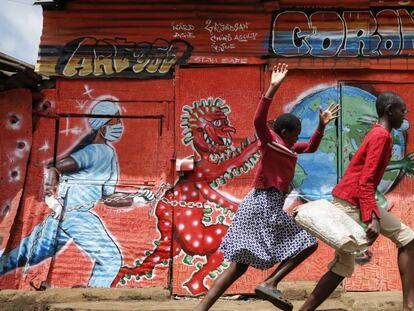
262 234
355 194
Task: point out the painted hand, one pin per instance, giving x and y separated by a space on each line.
407 164
51 182
143 196
381 200
54 205
50 190
329 114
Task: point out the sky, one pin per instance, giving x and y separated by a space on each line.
20 29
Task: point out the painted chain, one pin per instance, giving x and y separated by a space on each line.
182 203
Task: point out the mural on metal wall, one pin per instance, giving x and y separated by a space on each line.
89 175
358 116
344 33
90 57
191 217
201 211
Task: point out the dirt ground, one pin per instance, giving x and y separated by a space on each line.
159 299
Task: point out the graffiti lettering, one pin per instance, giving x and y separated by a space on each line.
86 56
183 31
182 26
385 33
222 47
218 60
246 37
225 36
184 35
234 60
239 37
205 60
212 27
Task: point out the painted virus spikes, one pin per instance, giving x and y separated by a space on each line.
231 173
232 151
198 114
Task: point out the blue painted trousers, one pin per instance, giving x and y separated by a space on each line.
87 232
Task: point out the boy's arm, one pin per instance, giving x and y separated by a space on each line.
376 149
260 119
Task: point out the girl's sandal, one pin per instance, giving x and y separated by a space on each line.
274 296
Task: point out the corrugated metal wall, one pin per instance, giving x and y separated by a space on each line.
193 65
106 38
234 32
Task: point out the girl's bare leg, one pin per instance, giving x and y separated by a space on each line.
287 266
228 277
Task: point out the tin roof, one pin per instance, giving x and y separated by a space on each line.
60 4
51 4
15 73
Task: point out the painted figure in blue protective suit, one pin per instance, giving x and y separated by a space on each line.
87 175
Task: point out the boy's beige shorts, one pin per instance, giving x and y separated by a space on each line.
390 227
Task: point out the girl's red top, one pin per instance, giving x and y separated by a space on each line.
277 164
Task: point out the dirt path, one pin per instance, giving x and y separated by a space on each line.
158 299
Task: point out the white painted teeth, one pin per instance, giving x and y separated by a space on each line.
214 157
231 150
208 140
226 141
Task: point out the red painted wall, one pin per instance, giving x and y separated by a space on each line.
147 157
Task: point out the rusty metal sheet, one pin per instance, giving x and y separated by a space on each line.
33 211
16 142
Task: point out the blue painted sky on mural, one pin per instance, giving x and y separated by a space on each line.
20 29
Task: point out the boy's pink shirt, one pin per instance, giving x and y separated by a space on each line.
365 171
277 165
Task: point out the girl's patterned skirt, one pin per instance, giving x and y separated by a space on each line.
262 233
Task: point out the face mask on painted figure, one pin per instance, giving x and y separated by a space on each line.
113 132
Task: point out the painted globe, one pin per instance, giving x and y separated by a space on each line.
317 173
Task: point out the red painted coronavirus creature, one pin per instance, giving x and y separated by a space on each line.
193 216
